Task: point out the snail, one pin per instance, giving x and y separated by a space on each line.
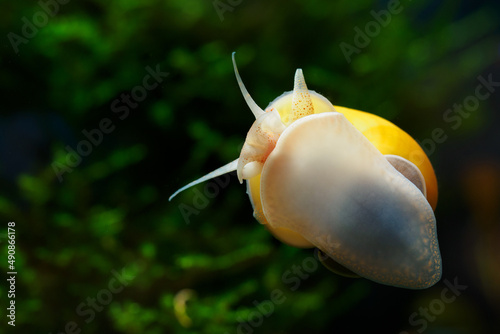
349 183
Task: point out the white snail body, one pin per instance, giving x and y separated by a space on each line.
350 183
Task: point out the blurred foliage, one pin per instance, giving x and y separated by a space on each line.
213 271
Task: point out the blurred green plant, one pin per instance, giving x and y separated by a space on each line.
112 211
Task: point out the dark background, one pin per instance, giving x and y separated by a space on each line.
109 214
